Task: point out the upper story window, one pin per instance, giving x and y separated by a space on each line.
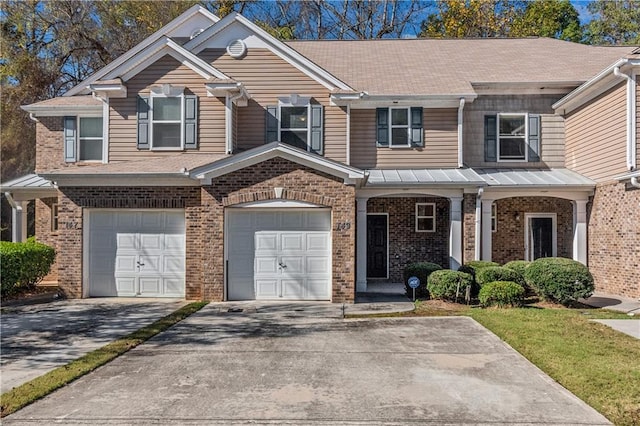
399 127
512 137
297 122
167 119
83 139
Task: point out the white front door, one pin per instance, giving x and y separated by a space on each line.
136 253
292 265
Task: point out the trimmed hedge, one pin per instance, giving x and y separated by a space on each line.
501 294
560 280
497 273
472 269
23 265
520 266
422 270
444 284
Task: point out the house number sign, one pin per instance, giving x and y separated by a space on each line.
343 226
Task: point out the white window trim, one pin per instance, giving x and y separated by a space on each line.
54 217
281 129
397 126
494 217
528 252
525 137
426 217
154 95
78 149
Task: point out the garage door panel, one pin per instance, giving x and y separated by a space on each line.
293 288
292 220
267 242
266 265
317 265
319 242
291 242
266 220
136 253
293 264
266 288
318 289
318 221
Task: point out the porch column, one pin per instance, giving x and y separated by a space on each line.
455 233
580 231
18 219
486 234
361 244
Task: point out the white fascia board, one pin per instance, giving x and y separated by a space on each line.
273 150
600 83
285 52
83 85
121 179
526 88
568 193
61 111
427 101
161 48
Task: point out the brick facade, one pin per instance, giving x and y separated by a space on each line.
204 221
614 239
49 144
44 232
405 244
508 240
468 227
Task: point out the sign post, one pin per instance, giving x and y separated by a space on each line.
414 282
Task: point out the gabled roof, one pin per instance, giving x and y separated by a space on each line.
320 74
61 106
452 66
191 13
280 150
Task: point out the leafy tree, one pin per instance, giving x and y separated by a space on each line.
549 18
614 22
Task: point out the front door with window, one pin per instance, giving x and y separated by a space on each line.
541 236
377 246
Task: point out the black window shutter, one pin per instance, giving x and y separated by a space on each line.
191 122
271 124
317 144
70 125
533 143
382 126
490 138
417 132
143 122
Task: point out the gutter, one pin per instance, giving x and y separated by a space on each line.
631 117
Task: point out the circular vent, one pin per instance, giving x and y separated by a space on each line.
236 49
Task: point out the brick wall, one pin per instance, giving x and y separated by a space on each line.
204 212
44 233
49 145
468 227
405 244
614 239
508 240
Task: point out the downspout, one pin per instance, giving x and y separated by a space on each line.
348 153
477 242
16 219
32 117
460 133
631 119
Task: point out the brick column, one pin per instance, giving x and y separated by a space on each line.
361 244
455 233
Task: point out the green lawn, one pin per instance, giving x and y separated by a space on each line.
598 364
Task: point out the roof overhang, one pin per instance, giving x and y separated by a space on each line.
29 187
525 88
600 83
61 179
350 175
108 89
61 110
365 101
235 90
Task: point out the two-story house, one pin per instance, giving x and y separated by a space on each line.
213 161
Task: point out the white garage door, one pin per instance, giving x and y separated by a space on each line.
136 253
278 254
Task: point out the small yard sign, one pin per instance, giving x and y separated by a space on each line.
414 282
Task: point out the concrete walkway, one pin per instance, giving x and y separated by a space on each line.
39 338
293 364
627 305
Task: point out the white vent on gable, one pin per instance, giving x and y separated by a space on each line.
196 33
237 49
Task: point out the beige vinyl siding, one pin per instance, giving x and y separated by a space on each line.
596 136
440 142
122 112
552 129
268 77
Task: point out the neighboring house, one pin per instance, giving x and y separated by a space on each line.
213 161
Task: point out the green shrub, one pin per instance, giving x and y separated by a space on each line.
558 279
472 269
501 294
520 266
479 264
422 270
23 265
446 283
497 273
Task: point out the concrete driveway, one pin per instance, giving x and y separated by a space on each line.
39 338
301 364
